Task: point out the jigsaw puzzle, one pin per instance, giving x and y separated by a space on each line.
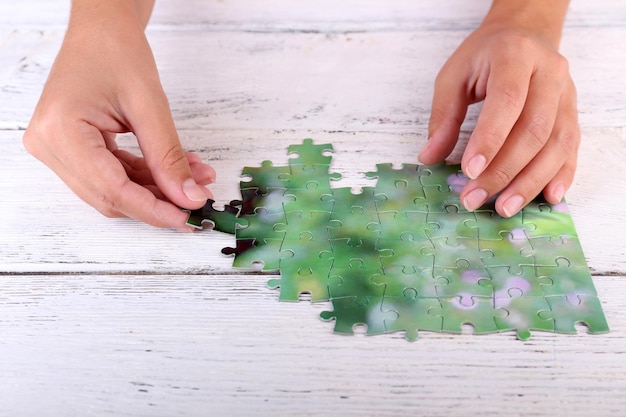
405 255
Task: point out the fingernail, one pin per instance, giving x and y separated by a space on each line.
512 205
193 191
559 192
424 151
475 199
476 166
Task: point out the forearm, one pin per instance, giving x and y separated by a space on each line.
90 12
544 17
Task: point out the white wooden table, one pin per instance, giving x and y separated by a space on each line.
111 317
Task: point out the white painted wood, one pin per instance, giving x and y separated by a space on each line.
309 14
106 316
276 80
46 227
223 345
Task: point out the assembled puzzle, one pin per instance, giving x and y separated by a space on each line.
405 255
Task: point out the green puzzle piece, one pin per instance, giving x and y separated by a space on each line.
405 255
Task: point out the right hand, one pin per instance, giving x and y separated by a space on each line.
105 81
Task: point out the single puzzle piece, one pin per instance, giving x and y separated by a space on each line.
397 189
492 226
448 253
406 177
309 199
412 314
399 279
452 224
222 220
522 281
477 312
355 216
509 250
446 177
253 200
548 220
303 176
310 154
296 280
567 311
442 185
265 177
311 164
249 253
356 280
305 271
348 313
301 227
409 252
566 279
522 314
463 282
345 250
261 225
393 225
546 250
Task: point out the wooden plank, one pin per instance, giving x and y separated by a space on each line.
310 14
197 345
358 81
45 228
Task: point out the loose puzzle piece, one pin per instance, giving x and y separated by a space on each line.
405 255
222 221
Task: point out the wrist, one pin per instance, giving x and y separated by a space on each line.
136 12
545 18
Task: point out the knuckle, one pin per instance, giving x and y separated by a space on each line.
503 177
172 157
45 133
567 141
561 65
534 183
490 140
30 142
539 130
512 96
106 205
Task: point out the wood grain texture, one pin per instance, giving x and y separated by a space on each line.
223 345
108 317
47 228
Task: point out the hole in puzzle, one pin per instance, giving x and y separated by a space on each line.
257 266
359 329
304 296
581 327
401 184
467 328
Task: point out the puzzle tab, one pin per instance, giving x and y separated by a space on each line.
404 255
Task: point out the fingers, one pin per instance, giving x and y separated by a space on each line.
505 97
449 107
138 171
538 155
163 153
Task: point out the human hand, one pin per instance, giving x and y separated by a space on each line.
103 82
526 137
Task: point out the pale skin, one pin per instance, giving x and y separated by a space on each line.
105 81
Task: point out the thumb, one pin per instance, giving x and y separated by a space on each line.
165 157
